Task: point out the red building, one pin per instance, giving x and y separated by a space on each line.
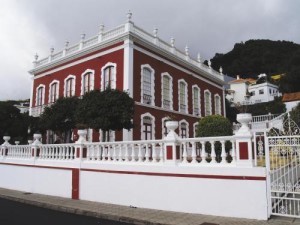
162 80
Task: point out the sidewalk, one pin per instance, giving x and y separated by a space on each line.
131 215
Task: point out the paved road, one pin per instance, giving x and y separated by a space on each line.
14 213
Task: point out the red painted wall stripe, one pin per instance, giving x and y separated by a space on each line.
75 184
177 175
205 176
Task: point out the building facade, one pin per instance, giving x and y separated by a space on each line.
251 91
163 81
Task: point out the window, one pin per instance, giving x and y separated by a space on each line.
147 85
108 76
195 125
207 102
261 91
183 129
69 86
217 104
110 136
182 96
40 94
167 91
164 131
87 81
252 93
53 92
147 127
196 101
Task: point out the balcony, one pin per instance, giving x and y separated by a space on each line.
182 108
147 99
166 104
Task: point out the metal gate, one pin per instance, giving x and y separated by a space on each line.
282 156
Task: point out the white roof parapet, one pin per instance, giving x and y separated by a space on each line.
119 32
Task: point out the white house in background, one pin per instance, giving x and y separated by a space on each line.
23 107
238 90
250 91
291 100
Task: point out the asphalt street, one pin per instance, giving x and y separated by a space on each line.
15 213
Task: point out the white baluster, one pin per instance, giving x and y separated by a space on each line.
72 152
213 152
103 153
233 154
140 155
223 153
161 153
120 156
194 155
126 153
147 153
132 153
203 153
114 155
109 153
68 154
184 154
154 153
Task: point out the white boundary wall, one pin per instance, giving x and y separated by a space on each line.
46 181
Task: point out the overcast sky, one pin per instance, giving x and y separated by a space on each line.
206 26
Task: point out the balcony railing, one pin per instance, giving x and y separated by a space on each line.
182 108
166 104
147 99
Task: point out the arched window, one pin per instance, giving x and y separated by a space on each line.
207 102
87 81
69 86
108 76
183 101
167 91
183 129
147 85
40 95
147 127
54 91
217 104
196 101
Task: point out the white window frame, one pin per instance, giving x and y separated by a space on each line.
114 75
217 103
195 128
92 83
198 112
43 95
50 99
210 105
163 121
147 66
187 128
73 77
112 136
153 125
186 96
170 88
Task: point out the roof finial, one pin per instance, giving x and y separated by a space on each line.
129 16
221 70
209 64
66 44
82 36
155 31
36 56
198 58
186 50
172 42
101 28
51 50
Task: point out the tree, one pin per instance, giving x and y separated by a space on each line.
212 126
60 117
13 123
107 110
295 114
231 112
273 107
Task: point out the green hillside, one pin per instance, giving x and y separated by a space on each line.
263 56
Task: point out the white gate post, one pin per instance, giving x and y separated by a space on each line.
244 148
172 148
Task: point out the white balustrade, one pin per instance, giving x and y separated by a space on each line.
56 152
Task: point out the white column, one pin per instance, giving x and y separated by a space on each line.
128 78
